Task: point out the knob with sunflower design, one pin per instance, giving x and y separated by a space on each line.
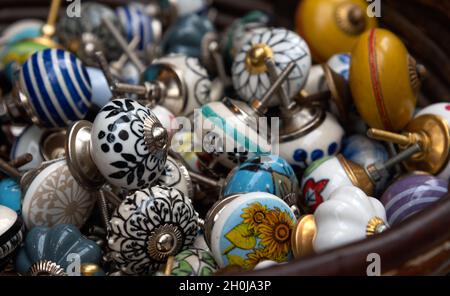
149 226
126 145
332 26
250 72
246 229
384 80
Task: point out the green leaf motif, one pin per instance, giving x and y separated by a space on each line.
183 269
241 237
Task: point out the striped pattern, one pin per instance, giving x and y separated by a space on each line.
411 195
58 87
136 23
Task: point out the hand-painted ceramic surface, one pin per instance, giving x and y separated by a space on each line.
28 142
54 197
320 179
340 63
136 22
346 217
186 36
239 31
57 86
284 46
55 245
384 99
101 93
16 54
411 195
11 232
268 173
11 195
363 151
142 219
252 228
194 262
325 140
175 175
73 32
195 85
326 25
120 149
222 129
21 30
443 110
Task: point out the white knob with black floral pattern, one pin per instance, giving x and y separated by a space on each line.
250 73
149 226
128 144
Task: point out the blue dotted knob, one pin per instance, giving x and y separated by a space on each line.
55 87
136 22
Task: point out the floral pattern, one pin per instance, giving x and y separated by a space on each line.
121 152
55 197
286 47
194 262
138 218
312 192
263 234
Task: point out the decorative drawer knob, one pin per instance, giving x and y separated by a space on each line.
149 226
11 233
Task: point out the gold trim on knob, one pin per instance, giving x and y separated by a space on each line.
303 236
357 175
375 225
351 18
255 60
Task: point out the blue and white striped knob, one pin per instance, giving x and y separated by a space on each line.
136 22
56 87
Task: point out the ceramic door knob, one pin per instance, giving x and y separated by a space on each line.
176 175
193 262
55 88
50 251
136 22
250 73
304 142
340 63
11 195
411 195
321 178
186 36
239 31
349 215
363 151
149 226
267 173
187 82
384 99
53 196
331 27
21 30
129 145
29 142
442 110
11 232
82 35
246 229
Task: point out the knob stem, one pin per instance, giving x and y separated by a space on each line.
10 170
48 30
205 180
404 140
21 160
123 44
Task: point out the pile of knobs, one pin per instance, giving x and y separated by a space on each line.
141 140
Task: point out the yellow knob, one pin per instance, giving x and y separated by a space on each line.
383 80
